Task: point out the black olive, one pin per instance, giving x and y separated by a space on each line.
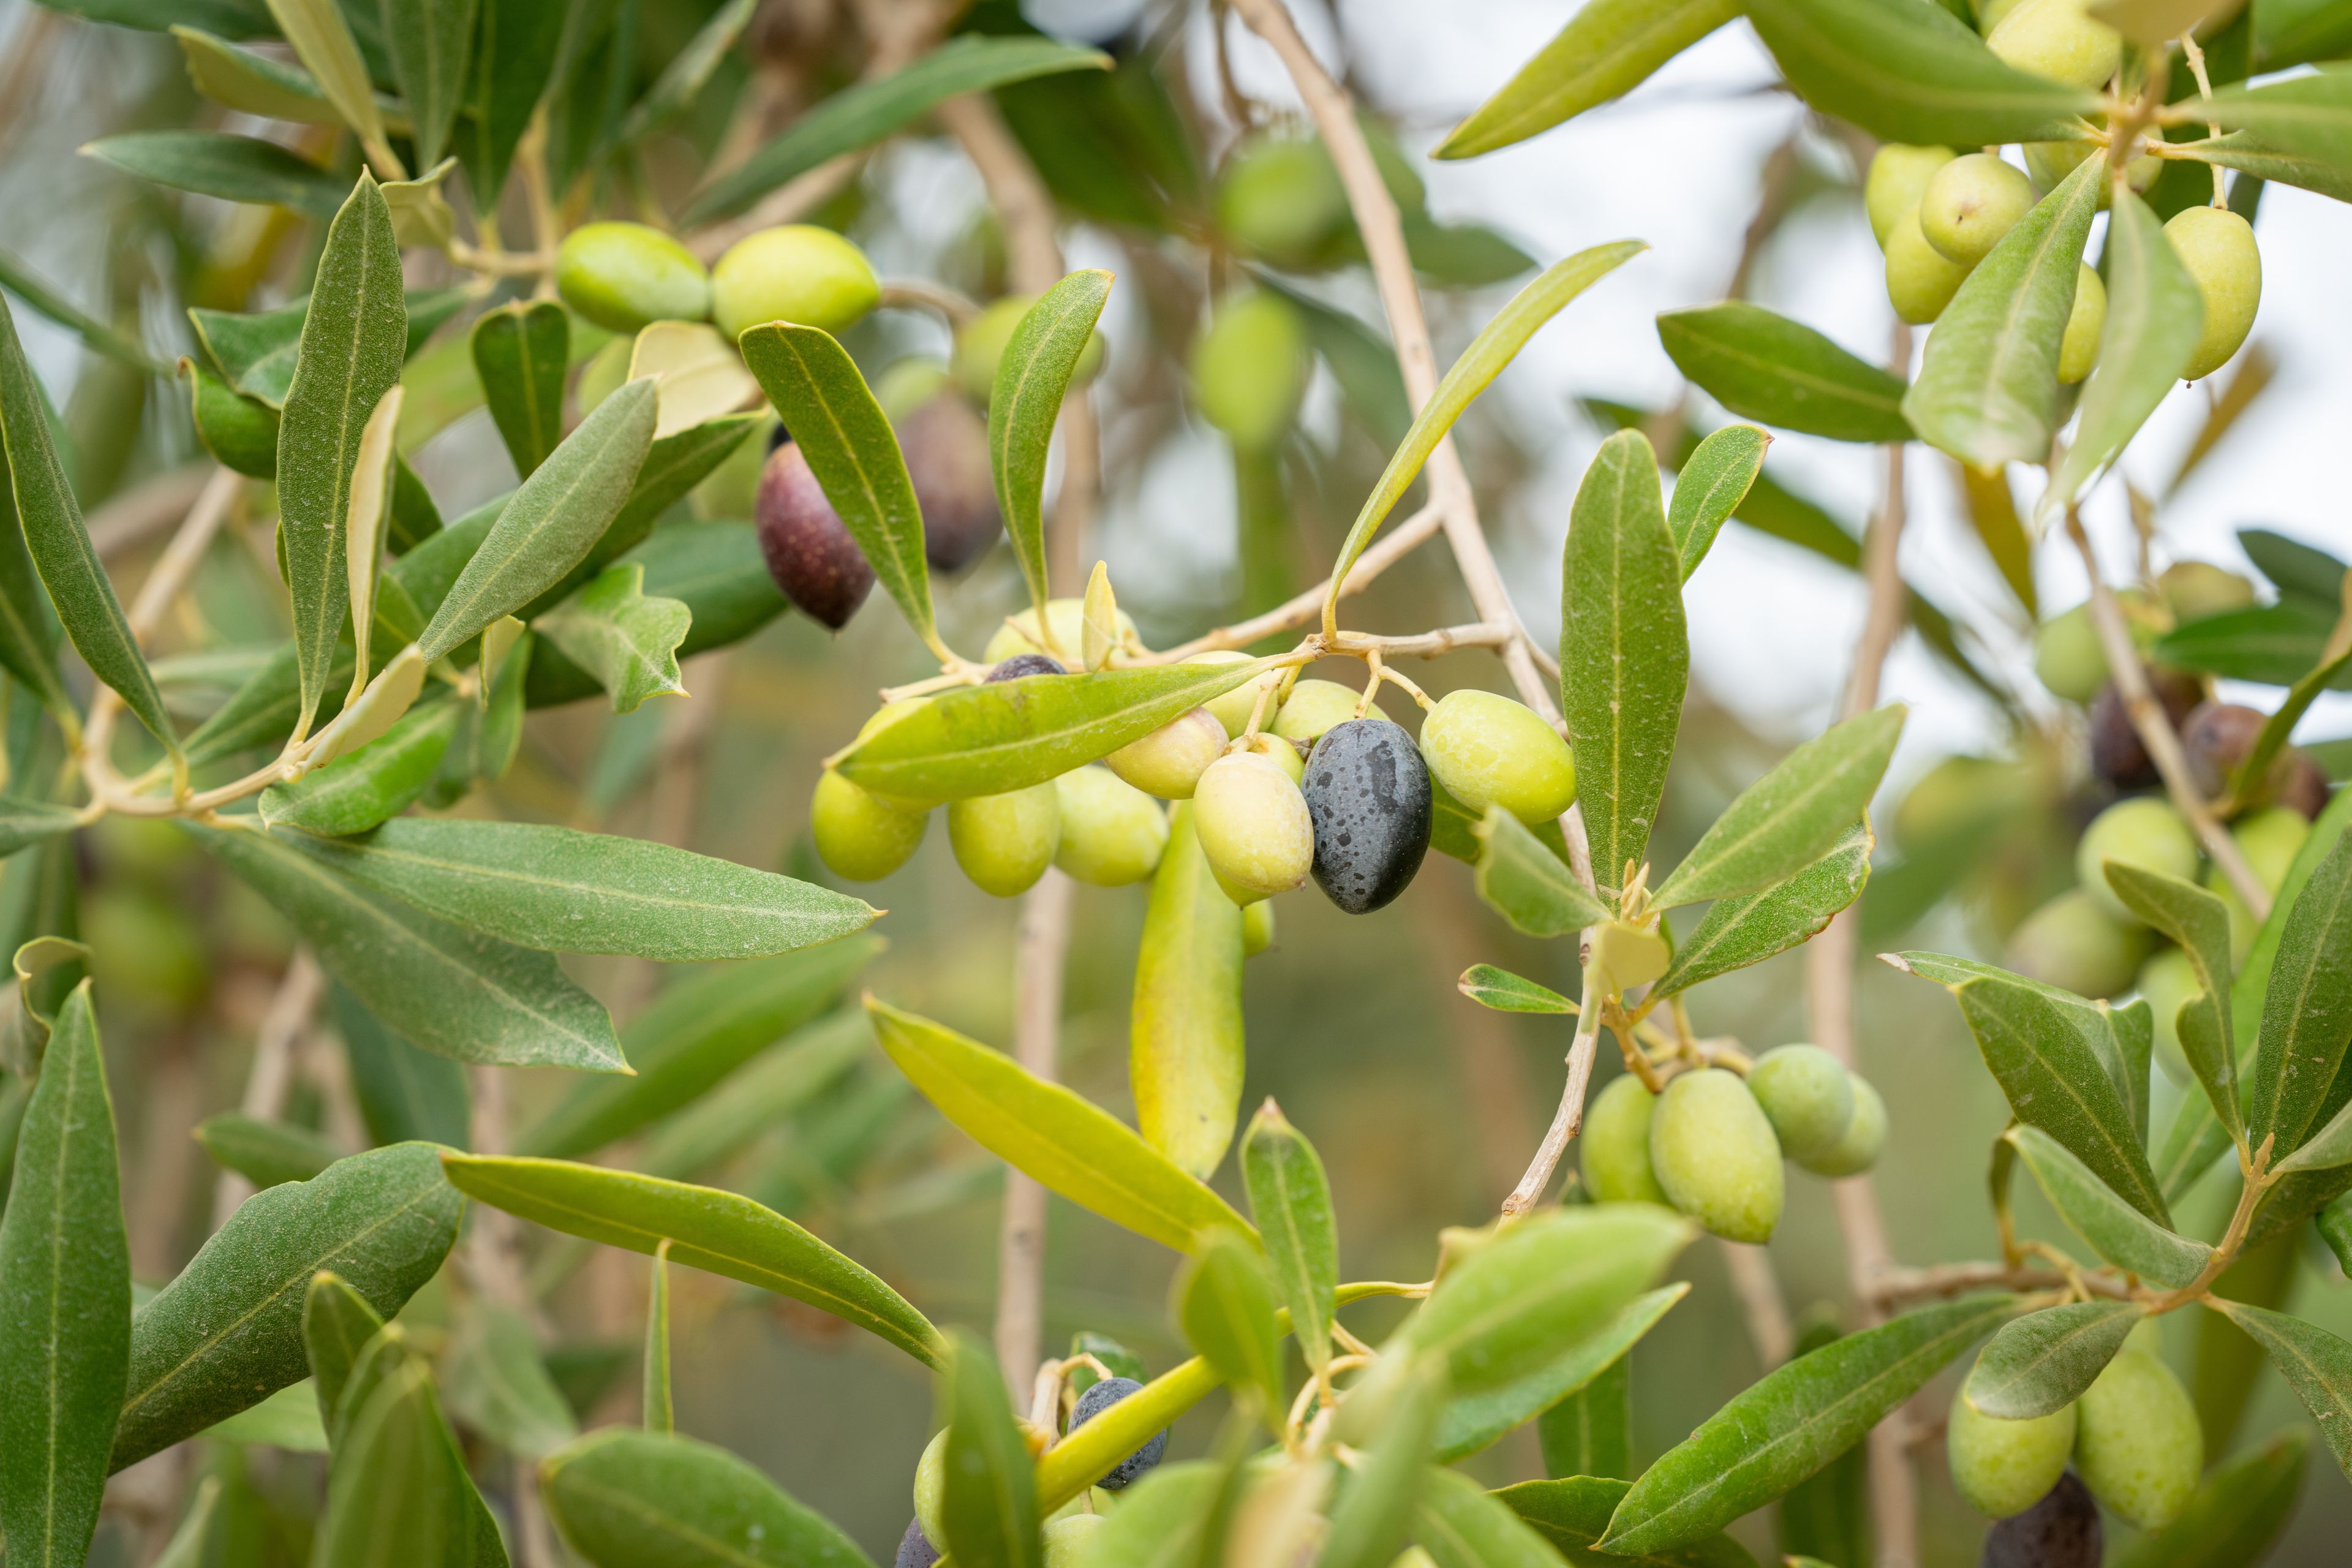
946 446
915 1548
1368 791
2061 1530
1100 1398
807 547
1022 664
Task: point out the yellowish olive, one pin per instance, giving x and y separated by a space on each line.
1714 1154
1614 1148
1313 707
1486 749
2003 1467
1232 710
1920 280
1066 619
2079 349
1254 826
2144 832
1898 178
858 836
1004 842
2058 40
1170 761
2138 1442
1112 833
798 273
2218 248
1970 202
623 276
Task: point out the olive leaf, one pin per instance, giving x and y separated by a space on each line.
1572 1514
1373 1514
1607 49
697 375
1454 829
761 1098
498 1385
520 353
399 1490
1526 884
265 1152
1097 1446
1461 1525
404 1094
337 1324
2114 1230
431 45
28 624
255 83
239 431
370 784
714 569
2306 1018
721 1232
1710 487
988 1502
1508 992
1225 1307
2200 922
35 292
1473 1422
1184 1036
1033 376
627 1499
2040 1363
628 640
1058 1138
1290 1198
1752 926
2315 1363
322 41
515 54
1763 365
229 168
24 822
2303 117
1590 1432
660 1410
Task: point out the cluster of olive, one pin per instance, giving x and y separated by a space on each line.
2133 1440
1936 213
1711 1144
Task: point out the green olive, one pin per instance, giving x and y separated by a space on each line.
1898 178
2003 1467
1486 749
1069 1541
1232 710
798 273
1920 280
1864 1139
2058 39
2068 657
2144 832
930 1488
1715 1156
1313 707
606 369
2193 590
2049 163
979 343
1249 368
859 837
623 276
1960 792
2270 840
1614 1148
2073 944
2218 248
1808 1096
1254 826
1970 202
1257 928
1112 833
1170 761
2078 350
1066 619
2137 1443
1281 199
1282 753
1004 842
2166 982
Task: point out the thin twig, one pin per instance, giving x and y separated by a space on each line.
1304 606
1899 1286
1041 943
1565 1122
1759 1289
923 294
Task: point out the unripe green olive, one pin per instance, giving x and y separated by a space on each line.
1281 199
2078 350
2058 39
859 837
2269 839
2073 944
1808 1096
930 1488
1066 619
1960 792
2144 832
1486 749
2218 248
1170 761
2003 1467
1920 280
2068 656
1313 707
2049 162
1614 1148
1249 368
1970 202
1254 826
1004 842
623 276
1232 710
800 273
979 343
604 374
1898 178
1864 1139
1990 12
1282 753
2193 590
2136 1440
1715 1156
1112 833
1257 928
1069 1542
2167 980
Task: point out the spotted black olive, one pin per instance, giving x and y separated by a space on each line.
1100 1398
915 1548
1368 793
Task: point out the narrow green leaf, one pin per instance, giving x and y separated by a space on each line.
1710 487
288 1419
404 1094
2199 923
498 1385
627 1499
1473 1422
721 1232
254 352
228 1330
265 1152
1591 1432
337 1324
764 1096
1290 1198
2236 1516
1909 72
65 1301
1625 657
1987 386
2306 1019
35 290
231 168
1376 1507
431 43
1749 928
1185 1040
989 1492
195 1531
1508 992
1454 829
865 114
2306 116
254 83
628 641
1225 1307
1058 1138
515 54
1573 1514
239 431
2040 1363
2246 781
1033 375
399 1493
2329 1147
24 821
553 521
2114 1230
1526 884
688 69
520 353
29 631
1461 1525
2250 155
1498 343
1607 49
323 43
1792 816
1792 1422
2315 1363
364 787
1763 365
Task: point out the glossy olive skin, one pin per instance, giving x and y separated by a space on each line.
1898 177
1807 1095
2061 1530
2004 1468
2144 832
1864 1139
946 446
624 275
1614 1148
1024 664
1714 1154
930 1488
2073 944
2218 248
1069 1541
2138 1442
807 547
915 1548
1312 707
1004 842
857 836
1112 833
1368 793
1488 749
798 273
1249 368
1234 708
2058 39
1100 1397
1970 202
1170 761
1920 280
2078 350
2116 753
1254 826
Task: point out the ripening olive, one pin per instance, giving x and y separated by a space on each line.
1864 1139
1024 664
2079 349
1112 833
1368 791
2144 832
807 547
2193 590
1715 1156
981 341
930 1488
798 272
2138 1442
1249 368
1970 202
946 446
1920 280
2058 39
1486 749
1257 928
1313 707
915 1548
1254 826
623 276
2117 753
1066 619
1234 708
1004 842
1281 199
1614 1148
2166 980
1170 761
1099 1396
2270 840
2061 1530
1898 178
857 836
2073 944
2218 248
1069 1542
2003 1467
2216 738
1808 1096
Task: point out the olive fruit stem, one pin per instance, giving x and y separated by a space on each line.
1898 1287
2195 57
921 293
1566 1121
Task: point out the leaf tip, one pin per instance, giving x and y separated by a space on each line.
1896 960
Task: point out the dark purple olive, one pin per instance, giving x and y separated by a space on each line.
1100 1398
2116 754
2061 1530
1368 793
2300 783
1022 664
946 445
915 1548
2217 736
808 549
